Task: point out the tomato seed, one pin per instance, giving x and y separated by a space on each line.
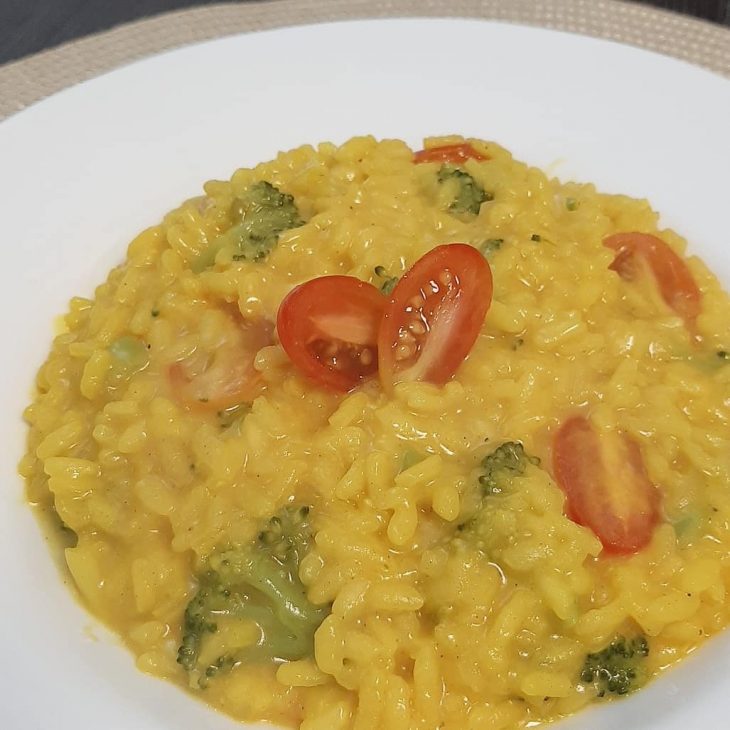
403 352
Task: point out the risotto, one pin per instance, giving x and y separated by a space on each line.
367 438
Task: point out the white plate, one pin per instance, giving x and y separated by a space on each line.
82 172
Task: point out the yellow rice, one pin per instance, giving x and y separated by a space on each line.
419 636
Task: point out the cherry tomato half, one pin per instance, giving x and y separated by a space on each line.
434 315
605 481
225 376
329 329
673 277
454 153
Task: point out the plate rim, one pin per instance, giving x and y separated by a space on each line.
28 80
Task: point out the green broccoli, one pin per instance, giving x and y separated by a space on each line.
389 282
618 668
211 599
263 213
258 583
507 461
259 216
469 193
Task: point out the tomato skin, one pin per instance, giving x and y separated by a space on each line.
674 279
606 485
329 327
227 376
453 153
434 315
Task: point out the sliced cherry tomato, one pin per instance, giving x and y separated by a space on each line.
673 277
329 329
605 481
454 153
434 315
226 376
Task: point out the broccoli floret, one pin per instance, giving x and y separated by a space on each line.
263 212
498 469
257 583
211 599
617 669
469 193
259 216
507 461
388 282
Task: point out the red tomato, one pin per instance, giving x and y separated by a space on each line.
607 487
225 376
677 287
434 315
454 153
329 329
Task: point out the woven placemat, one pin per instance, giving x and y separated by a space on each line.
26 81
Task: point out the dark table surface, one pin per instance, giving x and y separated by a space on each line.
28 26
